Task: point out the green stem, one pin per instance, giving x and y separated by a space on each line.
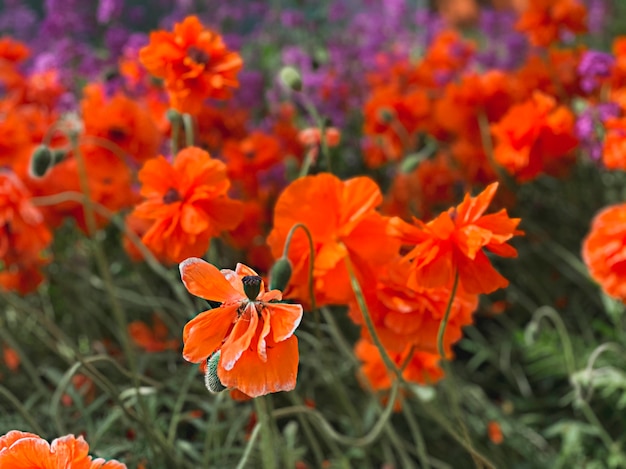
293 229
446 316
189 134
360 298
268 445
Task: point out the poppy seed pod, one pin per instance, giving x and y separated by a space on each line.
43 159
211 380
291 78
280 274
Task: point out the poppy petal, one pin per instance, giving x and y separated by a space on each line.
255 378
284 320
204 333
205 280
240 338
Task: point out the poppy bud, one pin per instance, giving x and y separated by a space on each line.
174 116
386 115
411 162
43 159
291 78
280 274
211 380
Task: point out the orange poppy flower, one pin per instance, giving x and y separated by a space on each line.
151 339
12 53
342 219
545 20
453 244
247 158
404 316
427 190
254 333
603 250
194 63
534 137
217 124
21 450
188 203
494 431
423 367
23 236
614 145
120 120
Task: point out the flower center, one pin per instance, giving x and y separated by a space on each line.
171 196
198 55
251 286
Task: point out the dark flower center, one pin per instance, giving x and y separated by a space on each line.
171 196
251 286
117 133
198 55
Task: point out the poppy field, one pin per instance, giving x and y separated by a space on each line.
312 234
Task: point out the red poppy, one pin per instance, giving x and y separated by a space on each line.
422 368
152 339
254 333
21 450
121 121
545 20
342 219
453 244
534 137
194 62
604 250
187 202
23 236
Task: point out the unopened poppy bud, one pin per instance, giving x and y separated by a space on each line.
173 116
211 380
43 159
386 115
251 286
411 162
280 274
291 78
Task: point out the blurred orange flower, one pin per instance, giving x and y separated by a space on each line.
342 219
246 158
194 62
188 203
453 244
120 120
23 236
545 20
21 450
423 367
259 353
534 137
603 250
404 316
151 339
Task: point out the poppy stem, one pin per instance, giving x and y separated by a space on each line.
189 133
360 298
446 316
268 456
311 259
175 120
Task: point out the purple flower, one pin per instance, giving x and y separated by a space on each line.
593 66
588 127
108 10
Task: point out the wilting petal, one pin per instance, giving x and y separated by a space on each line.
205 280
240 337
14 435
256 378
284 320
205 333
